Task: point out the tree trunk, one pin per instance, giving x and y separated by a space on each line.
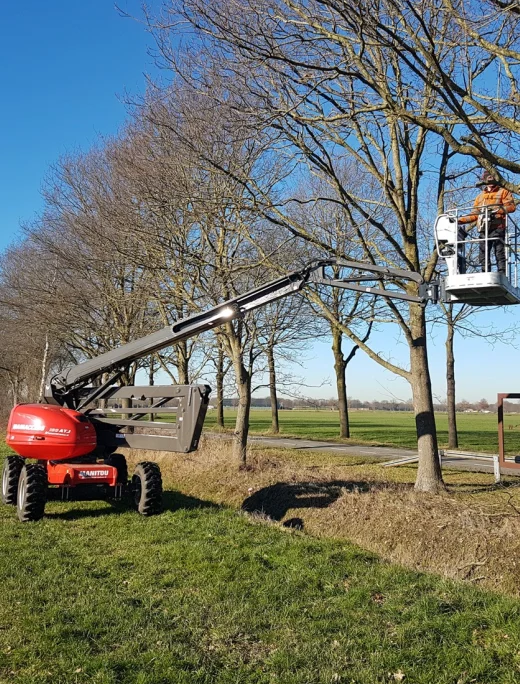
453 439
429 475
126 402
151 380
103 402
183 362
244 407
220 387
45 361
15 387
275 424
340 367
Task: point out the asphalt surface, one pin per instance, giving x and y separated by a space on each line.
462 460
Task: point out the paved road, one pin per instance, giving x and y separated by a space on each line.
477 463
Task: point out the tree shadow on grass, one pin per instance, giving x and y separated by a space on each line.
277 500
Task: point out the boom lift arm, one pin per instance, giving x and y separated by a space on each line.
79 387
67 387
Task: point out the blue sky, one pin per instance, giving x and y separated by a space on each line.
65 69
481 370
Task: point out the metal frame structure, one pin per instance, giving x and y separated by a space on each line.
471 285
186 404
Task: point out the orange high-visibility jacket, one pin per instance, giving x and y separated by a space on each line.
497 196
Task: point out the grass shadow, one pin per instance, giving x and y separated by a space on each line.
478 489
172 500
116 508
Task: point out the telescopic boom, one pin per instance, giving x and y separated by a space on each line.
74 378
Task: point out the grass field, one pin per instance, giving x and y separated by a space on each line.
202 594
477 431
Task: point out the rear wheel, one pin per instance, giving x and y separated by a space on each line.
10 475
32 492
118 461
146 488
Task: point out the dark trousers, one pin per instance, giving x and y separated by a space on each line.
461 250
495 242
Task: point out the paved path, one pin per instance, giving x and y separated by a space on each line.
477 463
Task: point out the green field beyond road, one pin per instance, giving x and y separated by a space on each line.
477 431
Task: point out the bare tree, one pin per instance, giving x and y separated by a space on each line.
99 294
285 329
460 321
324 98
163 184
354 311
29 335
223 256
222 366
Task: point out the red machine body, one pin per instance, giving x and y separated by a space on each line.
73 474
48 432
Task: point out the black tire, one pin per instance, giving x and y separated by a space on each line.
32 492
146 488
10 475
118 461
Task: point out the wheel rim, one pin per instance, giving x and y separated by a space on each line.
21 492
137 490
5 481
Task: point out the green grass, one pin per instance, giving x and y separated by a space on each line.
477 432
199 594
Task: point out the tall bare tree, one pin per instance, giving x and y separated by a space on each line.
325 95
225 259
285 330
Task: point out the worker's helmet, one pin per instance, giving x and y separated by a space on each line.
487 178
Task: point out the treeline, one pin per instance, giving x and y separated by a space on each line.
274 138
482 406
309 403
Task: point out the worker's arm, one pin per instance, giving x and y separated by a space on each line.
507 204
471 218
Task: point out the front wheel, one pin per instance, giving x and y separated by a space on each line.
146 488
10 475
32 492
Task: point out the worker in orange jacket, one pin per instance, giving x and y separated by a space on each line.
499 202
